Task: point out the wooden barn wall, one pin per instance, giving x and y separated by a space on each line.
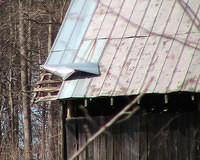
143 137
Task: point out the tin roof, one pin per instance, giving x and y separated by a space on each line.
134 42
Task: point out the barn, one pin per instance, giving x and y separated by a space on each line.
109 52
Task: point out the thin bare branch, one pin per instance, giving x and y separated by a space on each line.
124 111
108 124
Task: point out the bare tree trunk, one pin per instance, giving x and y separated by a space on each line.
63 131
43 110
12 116
13 108
59 126
24 83
1 106
51 149
43 135
29 63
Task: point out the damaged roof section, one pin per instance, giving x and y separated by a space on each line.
66 70
60 61
134 43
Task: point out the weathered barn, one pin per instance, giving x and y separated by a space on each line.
109 51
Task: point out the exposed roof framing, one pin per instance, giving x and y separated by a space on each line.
47 88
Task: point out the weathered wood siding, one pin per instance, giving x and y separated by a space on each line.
149 137
170 137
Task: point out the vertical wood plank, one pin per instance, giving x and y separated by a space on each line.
196 135
71 137
173 141
116 142
176 141
90 152
130 139
143 148
82 137
102 147
96 149
152 137
90 149
182 152
135 141
109 145
158 134
125 145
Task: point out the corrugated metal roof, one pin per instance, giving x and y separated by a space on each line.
134 42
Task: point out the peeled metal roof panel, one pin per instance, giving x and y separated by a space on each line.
105 62
137 42
67 70
91 54
61 71
82 85
82 56
92 68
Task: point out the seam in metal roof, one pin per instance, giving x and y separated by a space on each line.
133 41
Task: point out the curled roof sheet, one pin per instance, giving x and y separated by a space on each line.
151 45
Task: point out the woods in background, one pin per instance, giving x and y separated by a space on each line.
27 31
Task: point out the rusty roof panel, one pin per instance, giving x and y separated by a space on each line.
132 59
192 73
135 42
145 59
121 24
97 20
136 19
105 62
110 19
113 74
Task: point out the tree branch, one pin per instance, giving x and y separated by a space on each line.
124 111
108 124
41 23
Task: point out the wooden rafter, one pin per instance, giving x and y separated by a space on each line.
47 88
